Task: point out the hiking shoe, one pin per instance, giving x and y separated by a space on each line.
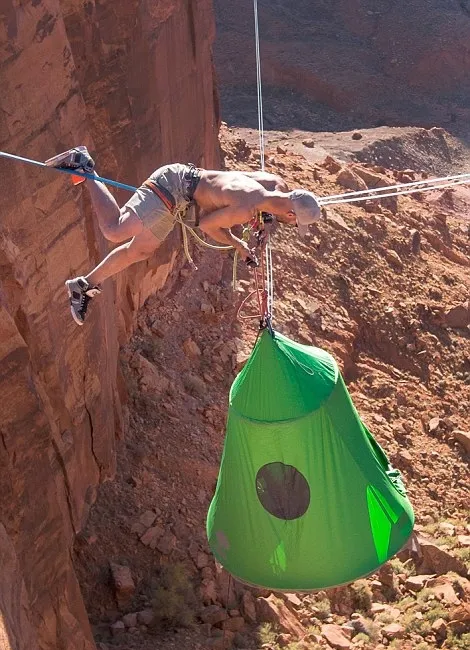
77 158
80 294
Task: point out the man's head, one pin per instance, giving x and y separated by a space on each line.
305 210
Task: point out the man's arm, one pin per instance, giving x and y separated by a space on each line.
275 202
217 225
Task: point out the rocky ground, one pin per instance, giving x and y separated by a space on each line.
383 286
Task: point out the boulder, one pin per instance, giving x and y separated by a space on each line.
117 628
416 583
393 631
351 181
151 536
460 618
332 165
442 586
458 316
434 559
439 627
166 543
145 617
130 620
273 610
123 582
213 614
150 379
191 348
234 623
336 637
249 607
463 438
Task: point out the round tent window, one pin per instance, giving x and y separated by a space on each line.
282 490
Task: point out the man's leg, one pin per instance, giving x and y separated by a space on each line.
81 290
138 249
116 224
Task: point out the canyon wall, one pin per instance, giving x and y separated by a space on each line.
133 80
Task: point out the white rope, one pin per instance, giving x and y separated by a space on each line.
269 260
270 283
399 186
258 86
354 197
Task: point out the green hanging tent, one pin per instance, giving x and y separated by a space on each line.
306 499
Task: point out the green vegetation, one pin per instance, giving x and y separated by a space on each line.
385 618
322 609
266 633
362 596
414 624
407 568
458 642
174 600
436 611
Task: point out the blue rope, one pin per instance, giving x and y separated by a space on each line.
74 172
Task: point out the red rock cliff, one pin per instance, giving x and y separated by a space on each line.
134 81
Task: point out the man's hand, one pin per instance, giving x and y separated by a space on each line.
247 254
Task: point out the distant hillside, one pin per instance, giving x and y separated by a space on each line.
347 64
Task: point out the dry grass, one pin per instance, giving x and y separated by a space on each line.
174 600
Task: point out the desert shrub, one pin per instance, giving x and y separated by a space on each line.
361 636
322 609
458 642
405 603
415 625
436 611
362 595
407 568
150 347
385 617
463 554
373 631
266 633
174 600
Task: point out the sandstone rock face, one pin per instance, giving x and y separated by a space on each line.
132 80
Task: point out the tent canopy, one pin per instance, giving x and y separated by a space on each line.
306 498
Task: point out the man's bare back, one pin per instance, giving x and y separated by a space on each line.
233 198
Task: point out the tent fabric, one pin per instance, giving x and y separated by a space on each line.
306 498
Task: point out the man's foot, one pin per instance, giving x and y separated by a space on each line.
80 294
77 158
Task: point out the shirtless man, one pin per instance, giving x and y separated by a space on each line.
224 200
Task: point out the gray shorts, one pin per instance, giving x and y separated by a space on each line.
166 194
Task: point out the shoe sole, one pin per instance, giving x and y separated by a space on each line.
56 160
72 311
